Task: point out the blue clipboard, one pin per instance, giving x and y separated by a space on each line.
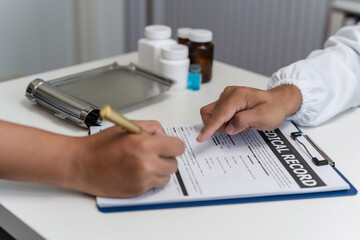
348 192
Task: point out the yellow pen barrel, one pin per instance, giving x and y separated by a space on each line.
109 114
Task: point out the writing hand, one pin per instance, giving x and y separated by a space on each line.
120 164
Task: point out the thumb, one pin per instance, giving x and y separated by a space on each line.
245 120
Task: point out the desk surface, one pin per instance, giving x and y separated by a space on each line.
57 213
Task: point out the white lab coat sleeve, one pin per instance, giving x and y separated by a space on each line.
328 79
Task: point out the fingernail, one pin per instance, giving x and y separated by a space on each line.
199 136
230 129
162 133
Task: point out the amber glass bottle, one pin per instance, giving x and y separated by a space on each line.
201 51
183 35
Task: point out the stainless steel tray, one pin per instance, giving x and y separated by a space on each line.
78 97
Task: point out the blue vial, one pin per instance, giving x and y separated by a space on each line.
194 79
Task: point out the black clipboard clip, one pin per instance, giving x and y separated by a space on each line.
327 160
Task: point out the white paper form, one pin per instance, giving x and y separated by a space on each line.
248 164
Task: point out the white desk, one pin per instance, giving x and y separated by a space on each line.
57 213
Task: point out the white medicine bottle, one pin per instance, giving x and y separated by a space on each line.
174 64
149 48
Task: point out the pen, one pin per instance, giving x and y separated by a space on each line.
111 115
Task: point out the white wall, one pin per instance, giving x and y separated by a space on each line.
258 35
35 35
99 28
41 35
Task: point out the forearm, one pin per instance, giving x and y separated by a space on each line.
29 154
329 79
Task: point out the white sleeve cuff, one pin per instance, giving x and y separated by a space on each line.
303 115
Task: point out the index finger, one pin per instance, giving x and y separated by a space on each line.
151 126
222 113
167 146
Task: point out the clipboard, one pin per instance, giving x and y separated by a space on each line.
294 135
348 192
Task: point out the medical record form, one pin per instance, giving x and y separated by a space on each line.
246 165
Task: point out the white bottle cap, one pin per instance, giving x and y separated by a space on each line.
184 32
175 52
157 32
201 35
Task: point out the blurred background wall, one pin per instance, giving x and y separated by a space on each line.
41 35
258 35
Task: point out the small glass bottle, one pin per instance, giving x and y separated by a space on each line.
201 51
183 35
194 80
